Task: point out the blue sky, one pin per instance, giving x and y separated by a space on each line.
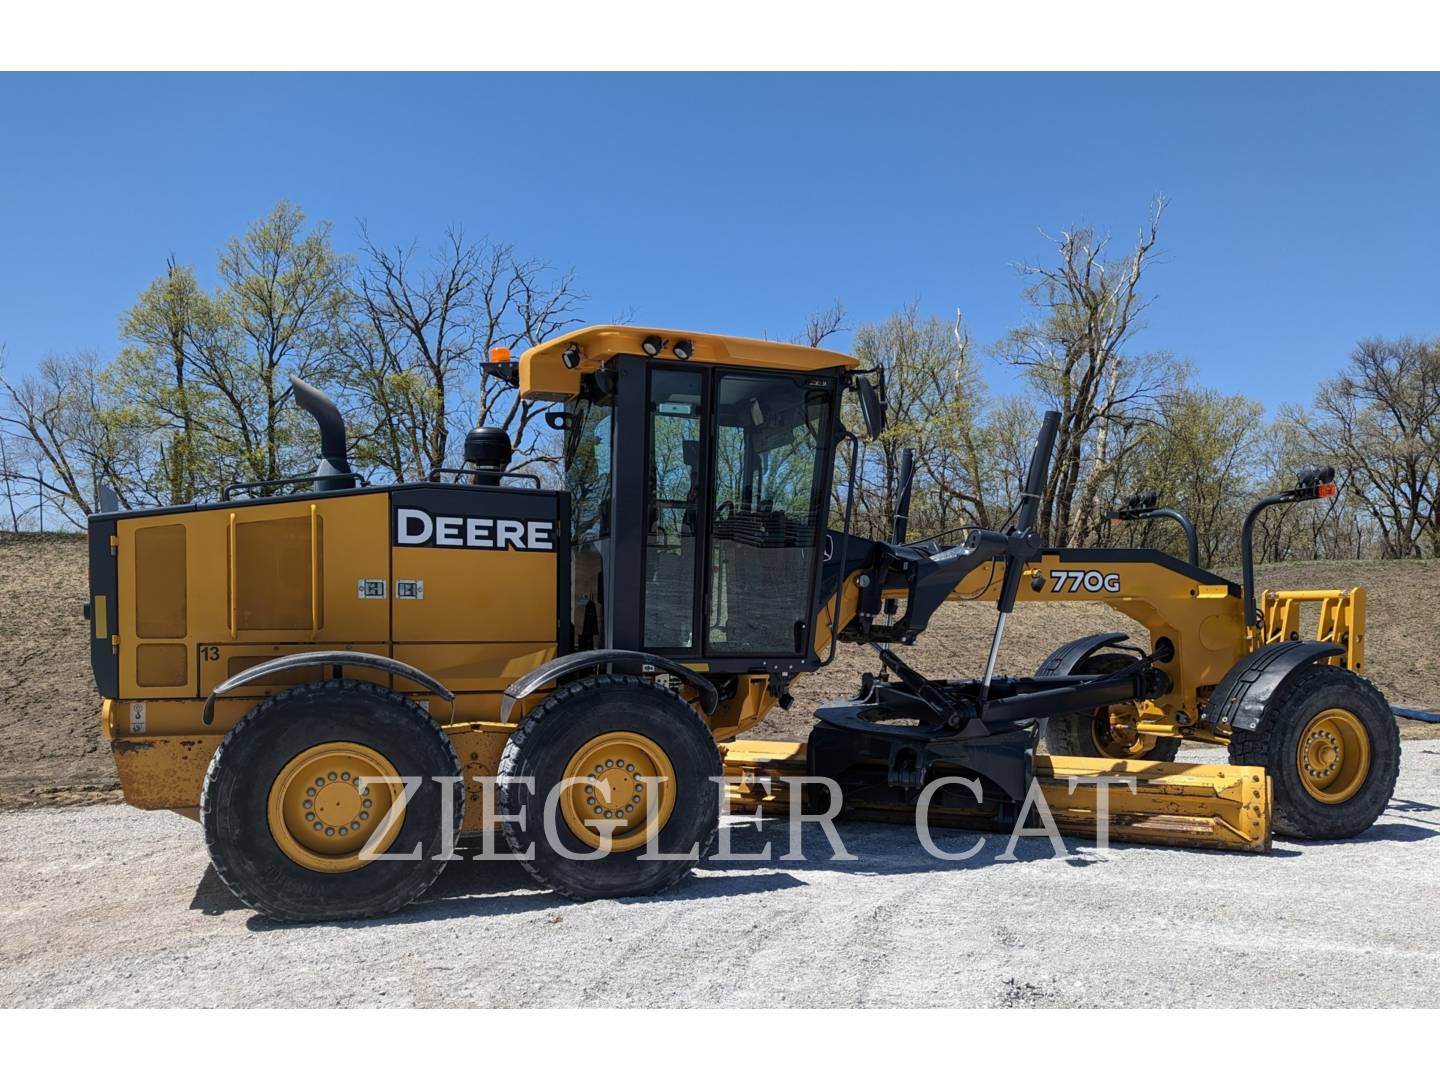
1303 208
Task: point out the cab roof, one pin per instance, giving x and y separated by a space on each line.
544 375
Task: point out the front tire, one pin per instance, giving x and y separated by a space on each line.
1103 732
578 759
1331 748
288 815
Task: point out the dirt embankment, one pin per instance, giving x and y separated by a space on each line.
50 748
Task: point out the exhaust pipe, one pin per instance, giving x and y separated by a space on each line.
332 470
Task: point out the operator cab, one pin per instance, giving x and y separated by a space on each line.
699 476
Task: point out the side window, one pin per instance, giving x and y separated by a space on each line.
769 434
587 472
672 505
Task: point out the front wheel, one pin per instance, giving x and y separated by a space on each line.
607 788
1332 750
1109 731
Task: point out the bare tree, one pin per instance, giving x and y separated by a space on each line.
934 396
426 328
822 325
8 476
74 443
1381 419
1074 354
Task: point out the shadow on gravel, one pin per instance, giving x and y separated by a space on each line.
1411 806
885 848
470 889
1388 830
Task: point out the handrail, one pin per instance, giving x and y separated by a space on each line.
1144 513
435 474
844 545
247 485
1313 482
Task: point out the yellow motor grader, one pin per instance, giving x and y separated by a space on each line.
336 678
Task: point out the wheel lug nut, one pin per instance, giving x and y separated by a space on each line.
364 815
329 832
309 817
332 776
366 803
318 825
310 792
344 776
319 781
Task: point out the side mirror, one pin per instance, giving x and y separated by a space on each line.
870 407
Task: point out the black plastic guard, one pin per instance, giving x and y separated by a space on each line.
1244 694
1063 660
337 658
626 661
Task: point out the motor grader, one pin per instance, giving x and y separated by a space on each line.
335 677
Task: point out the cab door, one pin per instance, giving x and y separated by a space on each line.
721 480
771 449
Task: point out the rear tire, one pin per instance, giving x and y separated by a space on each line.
1331 748
258 829
1081 734
576 733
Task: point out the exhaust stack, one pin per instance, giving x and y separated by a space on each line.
332 470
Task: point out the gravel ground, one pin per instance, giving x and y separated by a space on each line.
106 905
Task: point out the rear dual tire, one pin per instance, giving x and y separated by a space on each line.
290 846
597 737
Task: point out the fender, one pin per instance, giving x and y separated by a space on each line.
260 672
627 661
1064 659
1244 694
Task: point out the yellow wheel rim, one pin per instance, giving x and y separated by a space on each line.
1333 756
322 813
604 790
1115 734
